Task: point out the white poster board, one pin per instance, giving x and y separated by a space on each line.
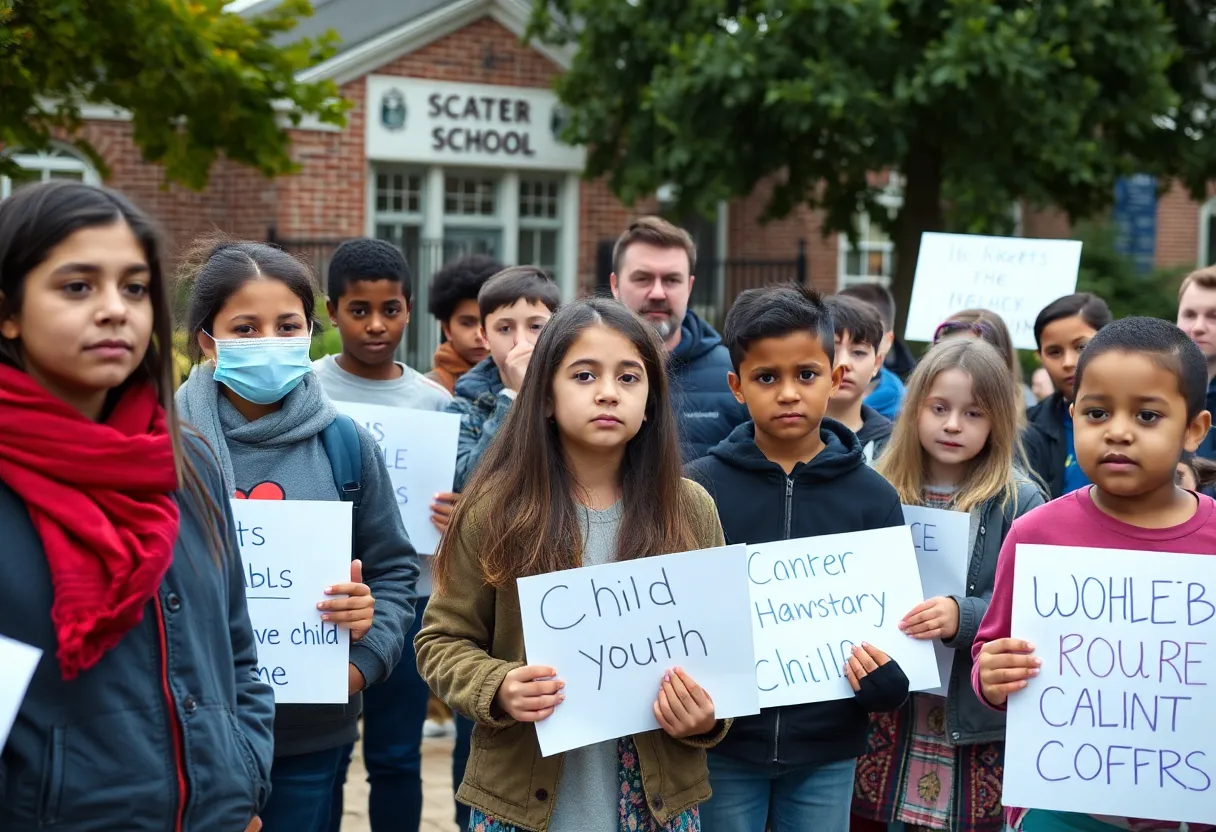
612 631
291 550
1011 276
419 449
17 665
942 554
1119 721
816 597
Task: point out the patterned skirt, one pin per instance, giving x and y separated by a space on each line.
911 773
634 815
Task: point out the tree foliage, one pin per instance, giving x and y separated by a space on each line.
198 81
977 103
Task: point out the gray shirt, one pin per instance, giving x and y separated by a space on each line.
588 791
412 390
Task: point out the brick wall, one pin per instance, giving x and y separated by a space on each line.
484 52
1177 228
183 214
778 239
250 199
1045 224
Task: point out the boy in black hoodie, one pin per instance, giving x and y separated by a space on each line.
786 474
1061 330
859 334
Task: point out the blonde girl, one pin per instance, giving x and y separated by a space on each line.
936 763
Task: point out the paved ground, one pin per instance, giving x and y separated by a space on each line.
437 806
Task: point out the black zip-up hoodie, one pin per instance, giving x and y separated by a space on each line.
1045 442
832 494
875 431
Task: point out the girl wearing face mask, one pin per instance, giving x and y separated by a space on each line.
255 399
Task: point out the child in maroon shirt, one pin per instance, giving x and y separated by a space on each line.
1140 389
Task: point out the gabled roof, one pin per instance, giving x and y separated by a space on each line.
376 32
355 21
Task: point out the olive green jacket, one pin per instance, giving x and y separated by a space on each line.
473 637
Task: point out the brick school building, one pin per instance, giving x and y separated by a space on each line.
451 147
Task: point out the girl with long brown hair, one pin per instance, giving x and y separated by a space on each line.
585 470
120 563
935 763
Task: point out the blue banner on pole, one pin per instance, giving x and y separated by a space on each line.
1135 217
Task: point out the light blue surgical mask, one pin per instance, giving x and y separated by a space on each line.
262 370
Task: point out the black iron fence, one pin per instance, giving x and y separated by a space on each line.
718 282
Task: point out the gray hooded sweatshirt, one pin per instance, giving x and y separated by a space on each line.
280 456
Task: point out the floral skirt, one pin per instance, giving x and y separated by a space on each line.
633 813
911 773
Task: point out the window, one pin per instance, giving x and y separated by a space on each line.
539 223
871 260
1207 234
399 192
470 196
538 200
538 247
398 209
874 257
41 165
408 238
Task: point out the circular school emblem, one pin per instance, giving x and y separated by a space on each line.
558 120
392 110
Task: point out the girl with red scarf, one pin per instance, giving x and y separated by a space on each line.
119 555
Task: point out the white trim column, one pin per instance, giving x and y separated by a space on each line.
369 203
567 276
432 212
508 210
723 245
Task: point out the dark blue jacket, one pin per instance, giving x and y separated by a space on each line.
483 407
1207 448
1045 443
101 753
836 492
888 397
705 408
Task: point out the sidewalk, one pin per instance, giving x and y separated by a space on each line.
437 807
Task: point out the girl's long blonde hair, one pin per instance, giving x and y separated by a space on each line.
992 472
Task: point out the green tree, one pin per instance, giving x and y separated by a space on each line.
977 103
198 81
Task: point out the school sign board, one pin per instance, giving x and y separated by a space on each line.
290 552
1011 276
1119 720
612 631
449 123
814 598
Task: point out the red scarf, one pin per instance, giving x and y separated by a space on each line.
101 498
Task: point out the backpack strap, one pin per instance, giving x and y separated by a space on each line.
341 441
